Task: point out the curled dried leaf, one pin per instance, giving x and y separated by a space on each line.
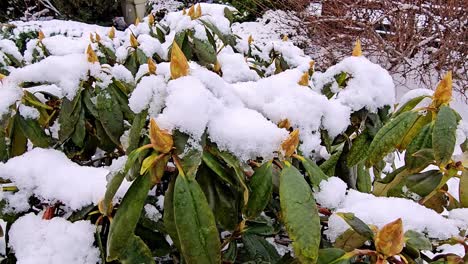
98 37
111 33
217 67
151 19
151 66
133 41
160 139
2 76
357 51
198 11
91 38
250 39
109 207
311 67
304 81
91 54
191 12
443 92
289 146
179 65
184 11
41 35
389 240
285 37
284 124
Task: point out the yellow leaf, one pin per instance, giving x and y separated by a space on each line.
311 67
304 81
41 35
198 12
284 124
107 212
2 76
179 65
443 93
217 67
98 38
158 169
91 54
149 162
289 146
285 37
191 12
137 21
160 139
357 51
133 41
151 66
389 241
91 38
151 19
111 33
250 39
184 12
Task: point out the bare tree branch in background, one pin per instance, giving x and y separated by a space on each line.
416 40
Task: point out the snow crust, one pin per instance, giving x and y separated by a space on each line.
55 241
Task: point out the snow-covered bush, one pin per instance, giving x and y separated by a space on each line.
178 141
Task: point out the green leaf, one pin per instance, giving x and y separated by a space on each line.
299 214
422 141
420 122
444 135
316 175
423 183
463 189
408 106
105 143
136 251
391 176
18 139
204 51
357 225
69 114
359 149
195 222
79 134
364 182
350 240
3 144
223 199
332 256
417 240
211 161
123 225
259 249
110 115
390 136
328 166
234 163
88 103
138 124
33 131
168 216
191 162
261 186
180 141
230 254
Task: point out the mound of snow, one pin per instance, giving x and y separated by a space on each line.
55 241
